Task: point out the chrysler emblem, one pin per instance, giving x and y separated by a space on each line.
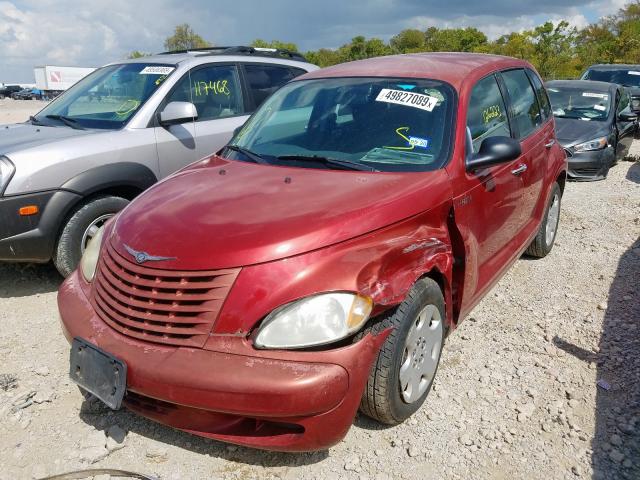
142 257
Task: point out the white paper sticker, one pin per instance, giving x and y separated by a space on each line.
633 72
604 96
409 99
602 108
157 70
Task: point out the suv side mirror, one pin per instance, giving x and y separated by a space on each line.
178 112
494 150
627 116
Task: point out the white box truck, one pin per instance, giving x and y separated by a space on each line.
53 80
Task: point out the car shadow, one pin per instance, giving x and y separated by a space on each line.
132 422
25 279
633 173
616 440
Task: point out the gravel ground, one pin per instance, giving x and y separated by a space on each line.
540 382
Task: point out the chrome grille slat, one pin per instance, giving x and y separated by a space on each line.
155 305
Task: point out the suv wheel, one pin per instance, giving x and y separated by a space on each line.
543 243
403 373
81 226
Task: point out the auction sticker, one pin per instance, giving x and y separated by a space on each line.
604 96
157 70
633 72
409 99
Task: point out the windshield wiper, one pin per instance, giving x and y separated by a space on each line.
35 121
333 162
69 122
254 157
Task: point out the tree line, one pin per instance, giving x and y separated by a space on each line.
557 50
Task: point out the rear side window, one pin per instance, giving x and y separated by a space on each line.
487 114
541 92
526 112
214 90
263 80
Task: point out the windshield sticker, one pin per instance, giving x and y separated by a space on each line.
157 70
602 108
408 99
554 90
412 142
603 96
633 72
161 79
213 87
406 87
490 113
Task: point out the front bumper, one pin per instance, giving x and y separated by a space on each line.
288 401
32 238
590 165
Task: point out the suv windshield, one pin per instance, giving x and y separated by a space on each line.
577 103
374 123
107 98
628 78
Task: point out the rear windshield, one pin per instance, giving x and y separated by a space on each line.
108 97
578 103
382 123
628 77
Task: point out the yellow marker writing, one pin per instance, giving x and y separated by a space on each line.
398 130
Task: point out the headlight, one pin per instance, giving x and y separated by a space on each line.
595 144
89 260
6 172
315 320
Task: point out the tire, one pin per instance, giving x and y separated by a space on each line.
384 398
75 232
543 242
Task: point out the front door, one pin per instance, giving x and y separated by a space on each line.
216 93
625 130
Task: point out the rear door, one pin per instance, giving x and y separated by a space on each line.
216 91
625 130
487 202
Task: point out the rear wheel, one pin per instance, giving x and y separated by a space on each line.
80 228
543 243
403 372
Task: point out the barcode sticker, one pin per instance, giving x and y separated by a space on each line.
409 99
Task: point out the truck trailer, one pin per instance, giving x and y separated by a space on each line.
53 80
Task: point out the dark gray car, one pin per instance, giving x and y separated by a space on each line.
594 124
623 74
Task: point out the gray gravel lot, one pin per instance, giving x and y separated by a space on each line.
516 395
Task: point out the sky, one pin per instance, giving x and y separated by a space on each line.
91 33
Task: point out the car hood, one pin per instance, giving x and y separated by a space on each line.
21 136
570 131
221 214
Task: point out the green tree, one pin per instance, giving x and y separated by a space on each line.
184 38
324 57
407 41
138 54
292 47
468 39
553 54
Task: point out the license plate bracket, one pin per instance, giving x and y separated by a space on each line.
98 372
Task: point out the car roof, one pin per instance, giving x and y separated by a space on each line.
452 67
613 66
592 85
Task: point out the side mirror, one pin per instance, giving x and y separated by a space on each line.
627 116
178 112
494 150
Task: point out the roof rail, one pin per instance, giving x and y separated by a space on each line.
241 50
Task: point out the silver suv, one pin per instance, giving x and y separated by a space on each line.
118 131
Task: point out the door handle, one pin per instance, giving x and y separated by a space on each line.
521 169
550 144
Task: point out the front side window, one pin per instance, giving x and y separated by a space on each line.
487 113
627 77
213 89
263 80
623 104
578 103
526 112
375 123
107 98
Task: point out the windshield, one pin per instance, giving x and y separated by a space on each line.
108 97
376 123
628 78
577 103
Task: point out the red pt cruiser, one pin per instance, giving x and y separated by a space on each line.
315 264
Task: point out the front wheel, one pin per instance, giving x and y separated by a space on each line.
546 236
80 228
402 375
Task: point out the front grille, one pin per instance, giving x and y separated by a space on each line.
163 306
585 170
